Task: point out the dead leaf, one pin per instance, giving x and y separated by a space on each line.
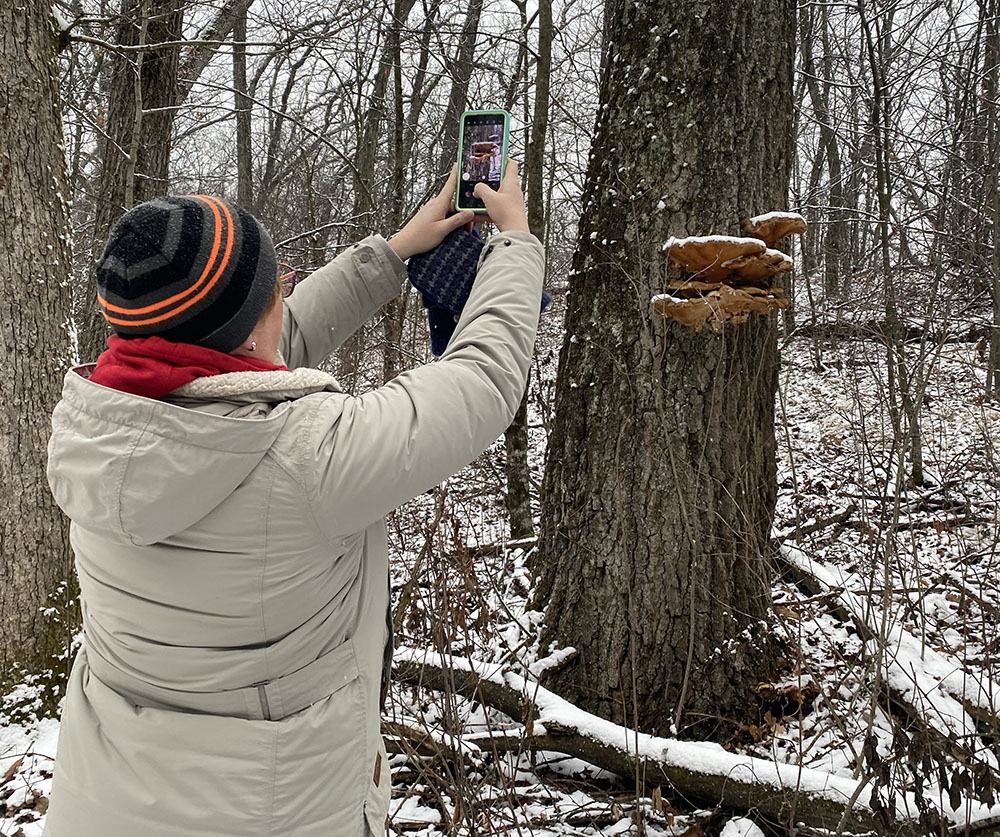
11 770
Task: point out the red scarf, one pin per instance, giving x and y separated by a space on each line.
152 366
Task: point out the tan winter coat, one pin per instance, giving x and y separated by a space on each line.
231 549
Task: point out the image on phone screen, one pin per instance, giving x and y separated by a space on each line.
482 156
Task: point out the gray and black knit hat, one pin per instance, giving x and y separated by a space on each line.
192 269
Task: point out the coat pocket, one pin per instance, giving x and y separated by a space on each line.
127 770
322 768
379 790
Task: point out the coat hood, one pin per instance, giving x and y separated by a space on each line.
140 470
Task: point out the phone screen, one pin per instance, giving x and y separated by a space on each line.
482 155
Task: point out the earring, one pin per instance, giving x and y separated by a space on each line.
253 345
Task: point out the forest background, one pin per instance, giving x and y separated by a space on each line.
764 579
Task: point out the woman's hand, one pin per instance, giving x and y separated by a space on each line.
505 207
431 224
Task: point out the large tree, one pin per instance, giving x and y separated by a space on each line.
660 483
35 263
135 151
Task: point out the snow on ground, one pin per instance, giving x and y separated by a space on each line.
916 563
27 752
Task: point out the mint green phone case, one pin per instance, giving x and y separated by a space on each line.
465 202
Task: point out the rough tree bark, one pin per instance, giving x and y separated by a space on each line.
135 153
660 483
35 263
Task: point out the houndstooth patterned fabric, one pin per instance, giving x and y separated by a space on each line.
445 274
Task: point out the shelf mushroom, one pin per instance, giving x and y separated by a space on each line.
725 279
722 305
774 226
760 266
706 256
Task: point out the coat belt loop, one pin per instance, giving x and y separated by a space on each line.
265 709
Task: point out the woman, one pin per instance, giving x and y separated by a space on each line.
228 517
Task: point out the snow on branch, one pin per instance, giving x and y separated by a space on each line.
943 700
697 771
921 673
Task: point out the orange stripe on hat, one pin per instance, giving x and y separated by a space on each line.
215 205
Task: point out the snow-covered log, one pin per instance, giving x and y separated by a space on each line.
816 526
400 738
697 772
949 704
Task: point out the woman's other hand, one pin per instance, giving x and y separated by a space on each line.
505 207
431 224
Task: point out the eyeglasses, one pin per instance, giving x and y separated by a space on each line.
288 276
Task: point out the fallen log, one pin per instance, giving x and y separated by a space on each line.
959 706
698 773
989 827
405 740
876 330
817 525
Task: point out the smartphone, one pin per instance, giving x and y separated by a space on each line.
483 137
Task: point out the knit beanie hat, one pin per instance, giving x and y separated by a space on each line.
193 269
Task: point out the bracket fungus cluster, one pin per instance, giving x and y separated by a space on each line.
725 279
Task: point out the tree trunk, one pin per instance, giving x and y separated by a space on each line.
460 70
135 154
518 497
423 83
660 483
243 103
394 312
367 211
991 87
516 438
35 560
835 236
232 14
